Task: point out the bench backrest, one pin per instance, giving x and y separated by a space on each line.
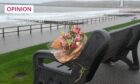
118 42
95 48
135 35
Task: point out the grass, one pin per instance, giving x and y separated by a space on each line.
18 61
21 61
122 25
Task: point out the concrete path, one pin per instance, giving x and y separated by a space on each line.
11 43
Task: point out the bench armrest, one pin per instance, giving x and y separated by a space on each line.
42 54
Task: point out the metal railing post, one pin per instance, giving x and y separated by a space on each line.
114 18
108 18
50 27
105 18
41 27
65 25
99 19
18 30
111 18
30 29
57 26
91 20
95 20
3 33
87 21
102 19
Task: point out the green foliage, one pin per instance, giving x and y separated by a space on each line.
122 25
16 62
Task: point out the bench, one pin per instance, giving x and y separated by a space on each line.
121 43
131 44
118 42
73 72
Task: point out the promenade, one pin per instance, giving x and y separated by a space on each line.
13 42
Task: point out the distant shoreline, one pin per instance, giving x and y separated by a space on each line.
94 4
90 4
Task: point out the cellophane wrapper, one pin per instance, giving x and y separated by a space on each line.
64 56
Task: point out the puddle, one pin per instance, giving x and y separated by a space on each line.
20 75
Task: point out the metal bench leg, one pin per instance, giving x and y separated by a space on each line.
135 58
134 64
128 62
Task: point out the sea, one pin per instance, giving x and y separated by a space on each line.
45 9
67 7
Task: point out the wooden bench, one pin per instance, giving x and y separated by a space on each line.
74 72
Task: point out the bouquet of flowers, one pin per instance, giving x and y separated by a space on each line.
69 44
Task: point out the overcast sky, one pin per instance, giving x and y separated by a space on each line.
41 1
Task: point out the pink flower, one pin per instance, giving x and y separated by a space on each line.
75 29
77 38
73 45
67 35
63 42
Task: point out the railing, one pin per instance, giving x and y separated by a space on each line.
18 29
